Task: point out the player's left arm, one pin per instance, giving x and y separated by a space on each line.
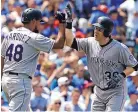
60 40
127 59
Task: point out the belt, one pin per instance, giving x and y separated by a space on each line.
13 73
104 89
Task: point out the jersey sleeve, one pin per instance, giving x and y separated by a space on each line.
40 42
126 57
3 47
82 44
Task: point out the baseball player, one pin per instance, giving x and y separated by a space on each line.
107 62
19 54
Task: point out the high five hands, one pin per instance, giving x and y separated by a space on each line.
65 17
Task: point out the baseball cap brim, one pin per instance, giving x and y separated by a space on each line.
42 22
98 25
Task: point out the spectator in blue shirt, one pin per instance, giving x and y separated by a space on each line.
47 69
74 105
78 79
131 104
39 100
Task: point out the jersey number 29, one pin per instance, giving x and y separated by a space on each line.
17 56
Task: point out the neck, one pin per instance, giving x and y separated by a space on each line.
133 102
74 102
37 94
79 76
104 41
28 26
56 109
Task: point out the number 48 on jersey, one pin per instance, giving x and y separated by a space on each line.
14 52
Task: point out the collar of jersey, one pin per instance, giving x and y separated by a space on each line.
23 28
107 43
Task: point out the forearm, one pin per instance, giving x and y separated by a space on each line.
69 37
55 73
60 40
61 68
86 102
128 71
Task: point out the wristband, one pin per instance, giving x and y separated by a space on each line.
69 25
136 67
123 74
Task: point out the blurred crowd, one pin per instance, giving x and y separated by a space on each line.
61 81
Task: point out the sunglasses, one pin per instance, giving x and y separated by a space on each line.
81 70
58 103
98 28
51 68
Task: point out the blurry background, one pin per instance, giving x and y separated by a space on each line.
62 75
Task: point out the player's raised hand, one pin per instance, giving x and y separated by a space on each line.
68 16
68 12
60 16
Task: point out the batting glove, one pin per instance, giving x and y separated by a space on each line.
60 16
68 16
115 81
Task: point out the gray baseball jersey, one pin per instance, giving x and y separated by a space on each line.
106 63
21 49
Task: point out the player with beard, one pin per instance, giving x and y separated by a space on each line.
19 54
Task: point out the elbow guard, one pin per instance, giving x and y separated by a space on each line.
74 44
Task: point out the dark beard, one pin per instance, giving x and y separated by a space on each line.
35 30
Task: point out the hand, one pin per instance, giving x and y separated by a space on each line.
68 16
115 81
69 13
60 16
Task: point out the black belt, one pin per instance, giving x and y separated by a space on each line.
18 74
104 89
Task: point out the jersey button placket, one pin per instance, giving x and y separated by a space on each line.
101 78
